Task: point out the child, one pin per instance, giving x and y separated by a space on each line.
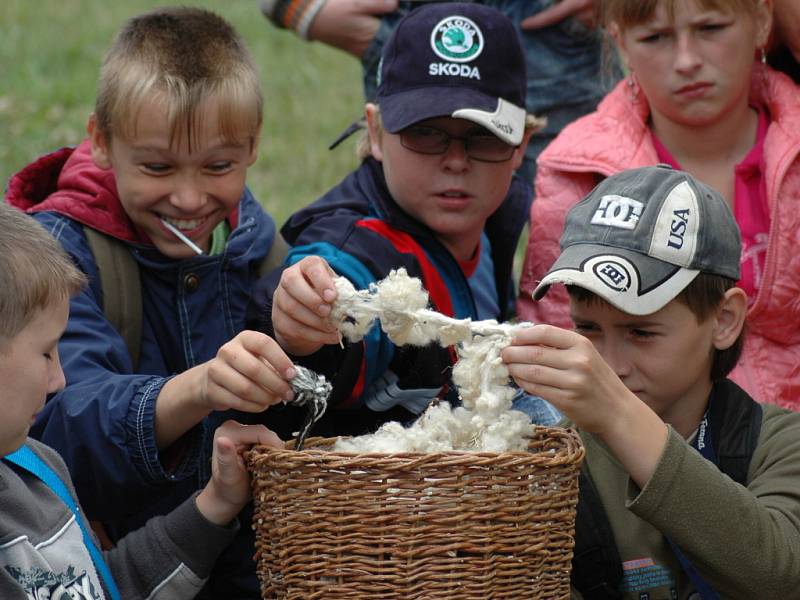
46 550
651 259
175 127
695 99
436 196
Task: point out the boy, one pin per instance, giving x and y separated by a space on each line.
698 486
175 127
45 552
435 195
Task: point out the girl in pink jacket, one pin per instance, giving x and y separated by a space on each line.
697 100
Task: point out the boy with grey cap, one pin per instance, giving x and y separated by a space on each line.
690 489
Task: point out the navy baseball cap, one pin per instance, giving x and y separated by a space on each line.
641 236
454 59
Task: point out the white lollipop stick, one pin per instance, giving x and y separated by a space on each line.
179 234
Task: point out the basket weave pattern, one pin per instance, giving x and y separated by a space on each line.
464 525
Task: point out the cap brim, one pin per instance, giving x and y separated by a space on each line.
504 119
634 283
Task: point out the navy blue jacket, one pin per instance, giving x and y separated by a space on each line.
363 234
102 422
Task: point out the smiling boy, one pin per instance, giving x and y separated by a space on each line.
176 124
698 485
435 194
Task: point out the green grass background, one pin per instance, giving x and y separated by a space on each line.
50 54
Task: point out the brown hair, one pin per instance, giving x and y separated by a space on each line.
627 13
184 57
702 297
35 271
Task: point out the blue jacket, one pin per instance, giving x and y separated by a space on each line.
102 422
360 230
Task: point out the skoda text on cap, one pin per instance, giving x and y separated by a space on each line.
472 68
642 235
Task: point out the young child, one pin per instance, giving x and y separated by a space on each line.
436 196
695 99
46 550
698 484
175 127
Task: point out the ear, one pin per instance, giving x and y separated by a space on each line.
729 318
763 22
373 130
616 34
101 150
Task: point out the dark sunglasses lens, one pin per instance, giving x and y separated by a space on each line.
425 140
488 148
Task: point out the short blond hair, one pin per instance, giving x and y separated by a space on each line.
363 150
183 57
35 271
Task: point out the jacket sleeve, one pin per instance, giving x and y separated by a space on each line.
743 540
171 556
556 193
102 422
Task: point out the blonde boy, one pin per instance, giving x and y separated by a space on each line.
48 550
699 486
162 175
436 195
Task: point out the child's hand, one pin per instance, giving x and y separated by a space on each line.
229 488
301 306
564 367
249 373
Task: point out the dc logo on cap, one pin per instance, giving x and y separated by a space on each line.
613 274
457 39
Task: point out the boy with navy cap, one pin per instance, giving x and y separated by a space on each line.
689 489
435 194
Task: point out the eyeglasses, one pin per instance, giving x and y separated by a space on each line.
480 146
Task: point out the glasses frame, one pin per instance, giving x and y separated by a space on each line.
464 139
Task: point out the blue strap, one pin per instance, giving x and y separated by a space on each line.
25 458
702 443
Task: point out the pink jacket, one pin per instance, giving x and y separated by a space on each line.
616 137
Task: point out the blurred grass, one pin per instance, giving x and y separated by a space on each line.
50 53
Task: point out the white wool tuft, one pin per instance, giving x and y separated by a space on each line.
486 421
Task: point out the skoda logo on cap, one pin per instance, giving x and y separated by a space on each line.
457 39
613 274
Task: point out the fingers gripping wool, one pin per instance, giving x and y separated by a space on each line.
485 422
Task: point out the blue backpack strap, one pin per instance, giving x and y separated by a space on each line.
27 459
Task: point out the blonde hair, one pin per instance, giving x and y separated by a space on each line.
35 271
184 57
628 13
363 150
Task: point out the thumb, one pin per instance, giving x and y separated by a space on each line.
376 7
228 460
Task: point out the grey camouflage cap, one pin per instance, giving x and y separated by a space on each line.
642 235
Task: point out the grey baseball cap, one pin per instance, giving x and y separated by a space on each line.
642 235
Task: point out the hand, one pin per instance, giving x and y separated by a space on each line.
565 368
228 490
349 25
249 373
583 10
301 305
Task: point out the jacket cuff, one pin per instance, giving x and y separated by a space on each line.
296 15
143 448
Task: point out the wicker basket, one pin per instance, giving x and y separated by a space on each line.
450 525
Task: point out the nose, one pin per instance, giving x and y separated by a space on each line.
455 158
56 379
188 196
616 357
687 58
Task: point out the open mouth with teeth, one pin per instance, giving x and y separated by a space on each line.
183 224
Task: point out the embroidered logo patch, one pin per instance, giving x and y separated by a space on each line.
618 211
457 39
613 274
